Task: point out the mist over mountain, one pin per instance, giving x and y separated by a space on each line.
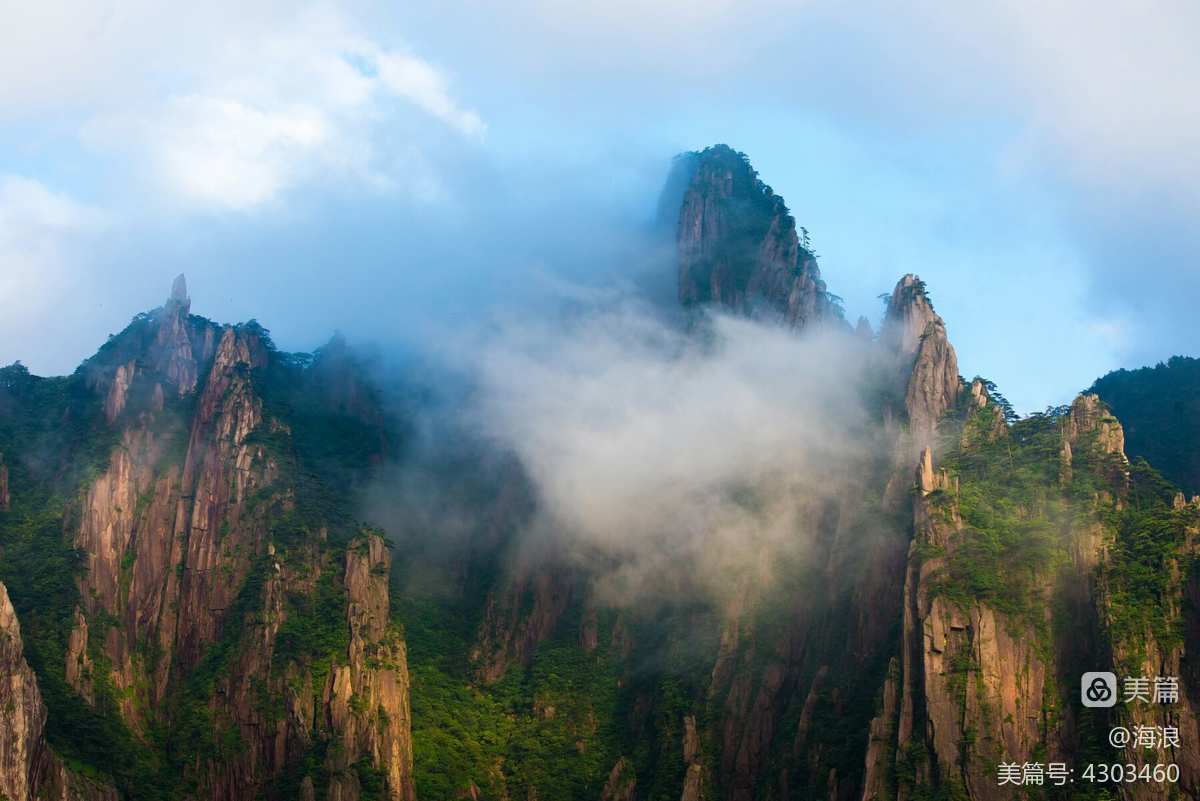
623 544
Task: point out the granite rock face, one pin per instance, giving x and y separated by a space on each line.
621 785
1089 416
224 606
368 698
928 365
972 680
24 715
970 686
737 244
180 566
29 770
513 625
979 681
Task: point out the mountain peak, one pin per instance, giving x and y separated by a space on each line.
917 335
737 244
909 313
179 291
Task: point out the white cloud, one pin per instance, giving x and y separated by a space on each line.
222 151
28 207
420 83
43 235
64 55
273 109
1101 89
669 462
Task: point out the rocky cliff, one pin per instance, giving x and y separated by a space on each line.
29 769
963 599
229 620
203 615
991 652
737 245
926 361
24 715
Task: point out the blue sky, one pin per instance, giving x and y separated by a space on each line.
401 171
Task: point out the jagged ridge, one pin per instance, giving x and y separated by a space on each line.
229 631
230 624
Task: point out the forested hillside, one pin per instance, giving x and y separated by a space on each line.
1158 407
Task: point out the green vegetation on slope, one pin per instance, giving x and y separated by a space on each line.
561 722
54 439
1028 527
1018 522
1152 554
549 725
1160 409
